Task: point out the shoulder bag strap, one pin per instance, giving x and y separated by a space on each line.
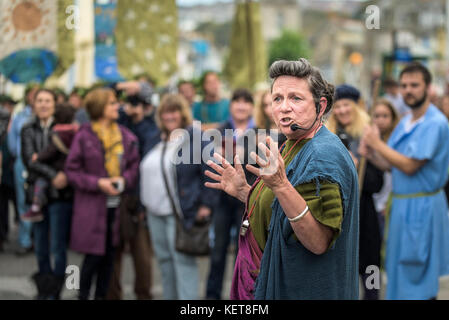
164 175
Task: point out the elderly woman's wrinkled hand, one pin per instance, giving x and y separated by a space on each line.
272 170
229 179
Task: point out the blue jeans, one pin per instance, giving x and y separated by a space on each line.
228 214
179 271
22 208
52 234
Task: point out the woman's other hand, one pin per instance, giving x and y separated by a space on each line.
229 179
60 181
203 213
106 186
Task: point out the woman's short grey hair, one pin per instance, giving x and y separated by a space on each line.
302 69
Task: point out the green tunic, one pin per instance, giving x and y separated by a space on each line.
327 208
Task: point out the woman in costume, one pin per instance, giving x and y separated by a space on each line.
299 235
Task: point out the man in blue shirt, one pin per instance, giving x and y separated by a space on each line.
213 110
418 155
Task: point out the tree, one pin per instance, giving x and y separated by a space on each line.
290 45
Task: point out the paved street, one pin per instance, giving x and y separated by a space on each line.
15 274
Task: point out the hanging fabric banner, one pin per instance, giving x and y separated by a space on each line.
147 38
33 45
105 40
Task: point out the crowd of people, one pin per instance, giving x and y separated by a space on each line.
93 172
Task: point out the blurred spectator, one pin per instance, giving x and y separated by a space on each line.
7 105
386 119
213 110
418 155
61 97
53 155
76 98
54 229
134 230
138 115
14 145
229 211
187 197
348 121
393 95
187 90
7 192
102 164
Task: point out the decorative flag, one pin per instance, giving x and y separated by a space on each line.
147 38
35 42
105 40
247 63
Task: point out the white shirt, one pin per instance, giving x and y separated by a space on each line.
153 192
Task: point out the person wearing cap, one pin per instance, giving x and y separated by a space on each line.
417 153
348 119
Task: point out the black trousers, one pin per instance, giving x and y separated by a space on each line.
101 266
7 194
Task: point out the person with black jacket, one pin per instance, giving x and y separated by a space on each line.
54 229
54 155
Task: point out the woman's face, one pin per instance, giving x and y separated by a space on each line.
267 107
293 103
383 118
241 110
171 120
111 109
343 111
44 105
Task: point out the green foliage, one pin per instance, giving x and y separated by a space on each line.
290 45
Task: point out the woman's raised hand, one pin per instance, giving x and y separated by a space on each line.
272 170
231 180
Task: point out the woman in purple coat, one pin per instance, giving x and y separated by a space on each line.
103 163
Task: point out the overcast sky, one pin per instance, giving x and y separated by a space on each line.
193 2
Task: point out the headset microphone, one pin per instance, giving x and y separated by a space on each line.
295 127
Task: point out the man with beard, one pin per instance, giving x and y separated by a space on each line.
418 156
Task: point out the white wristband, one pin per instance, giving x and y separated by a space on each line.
302 215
